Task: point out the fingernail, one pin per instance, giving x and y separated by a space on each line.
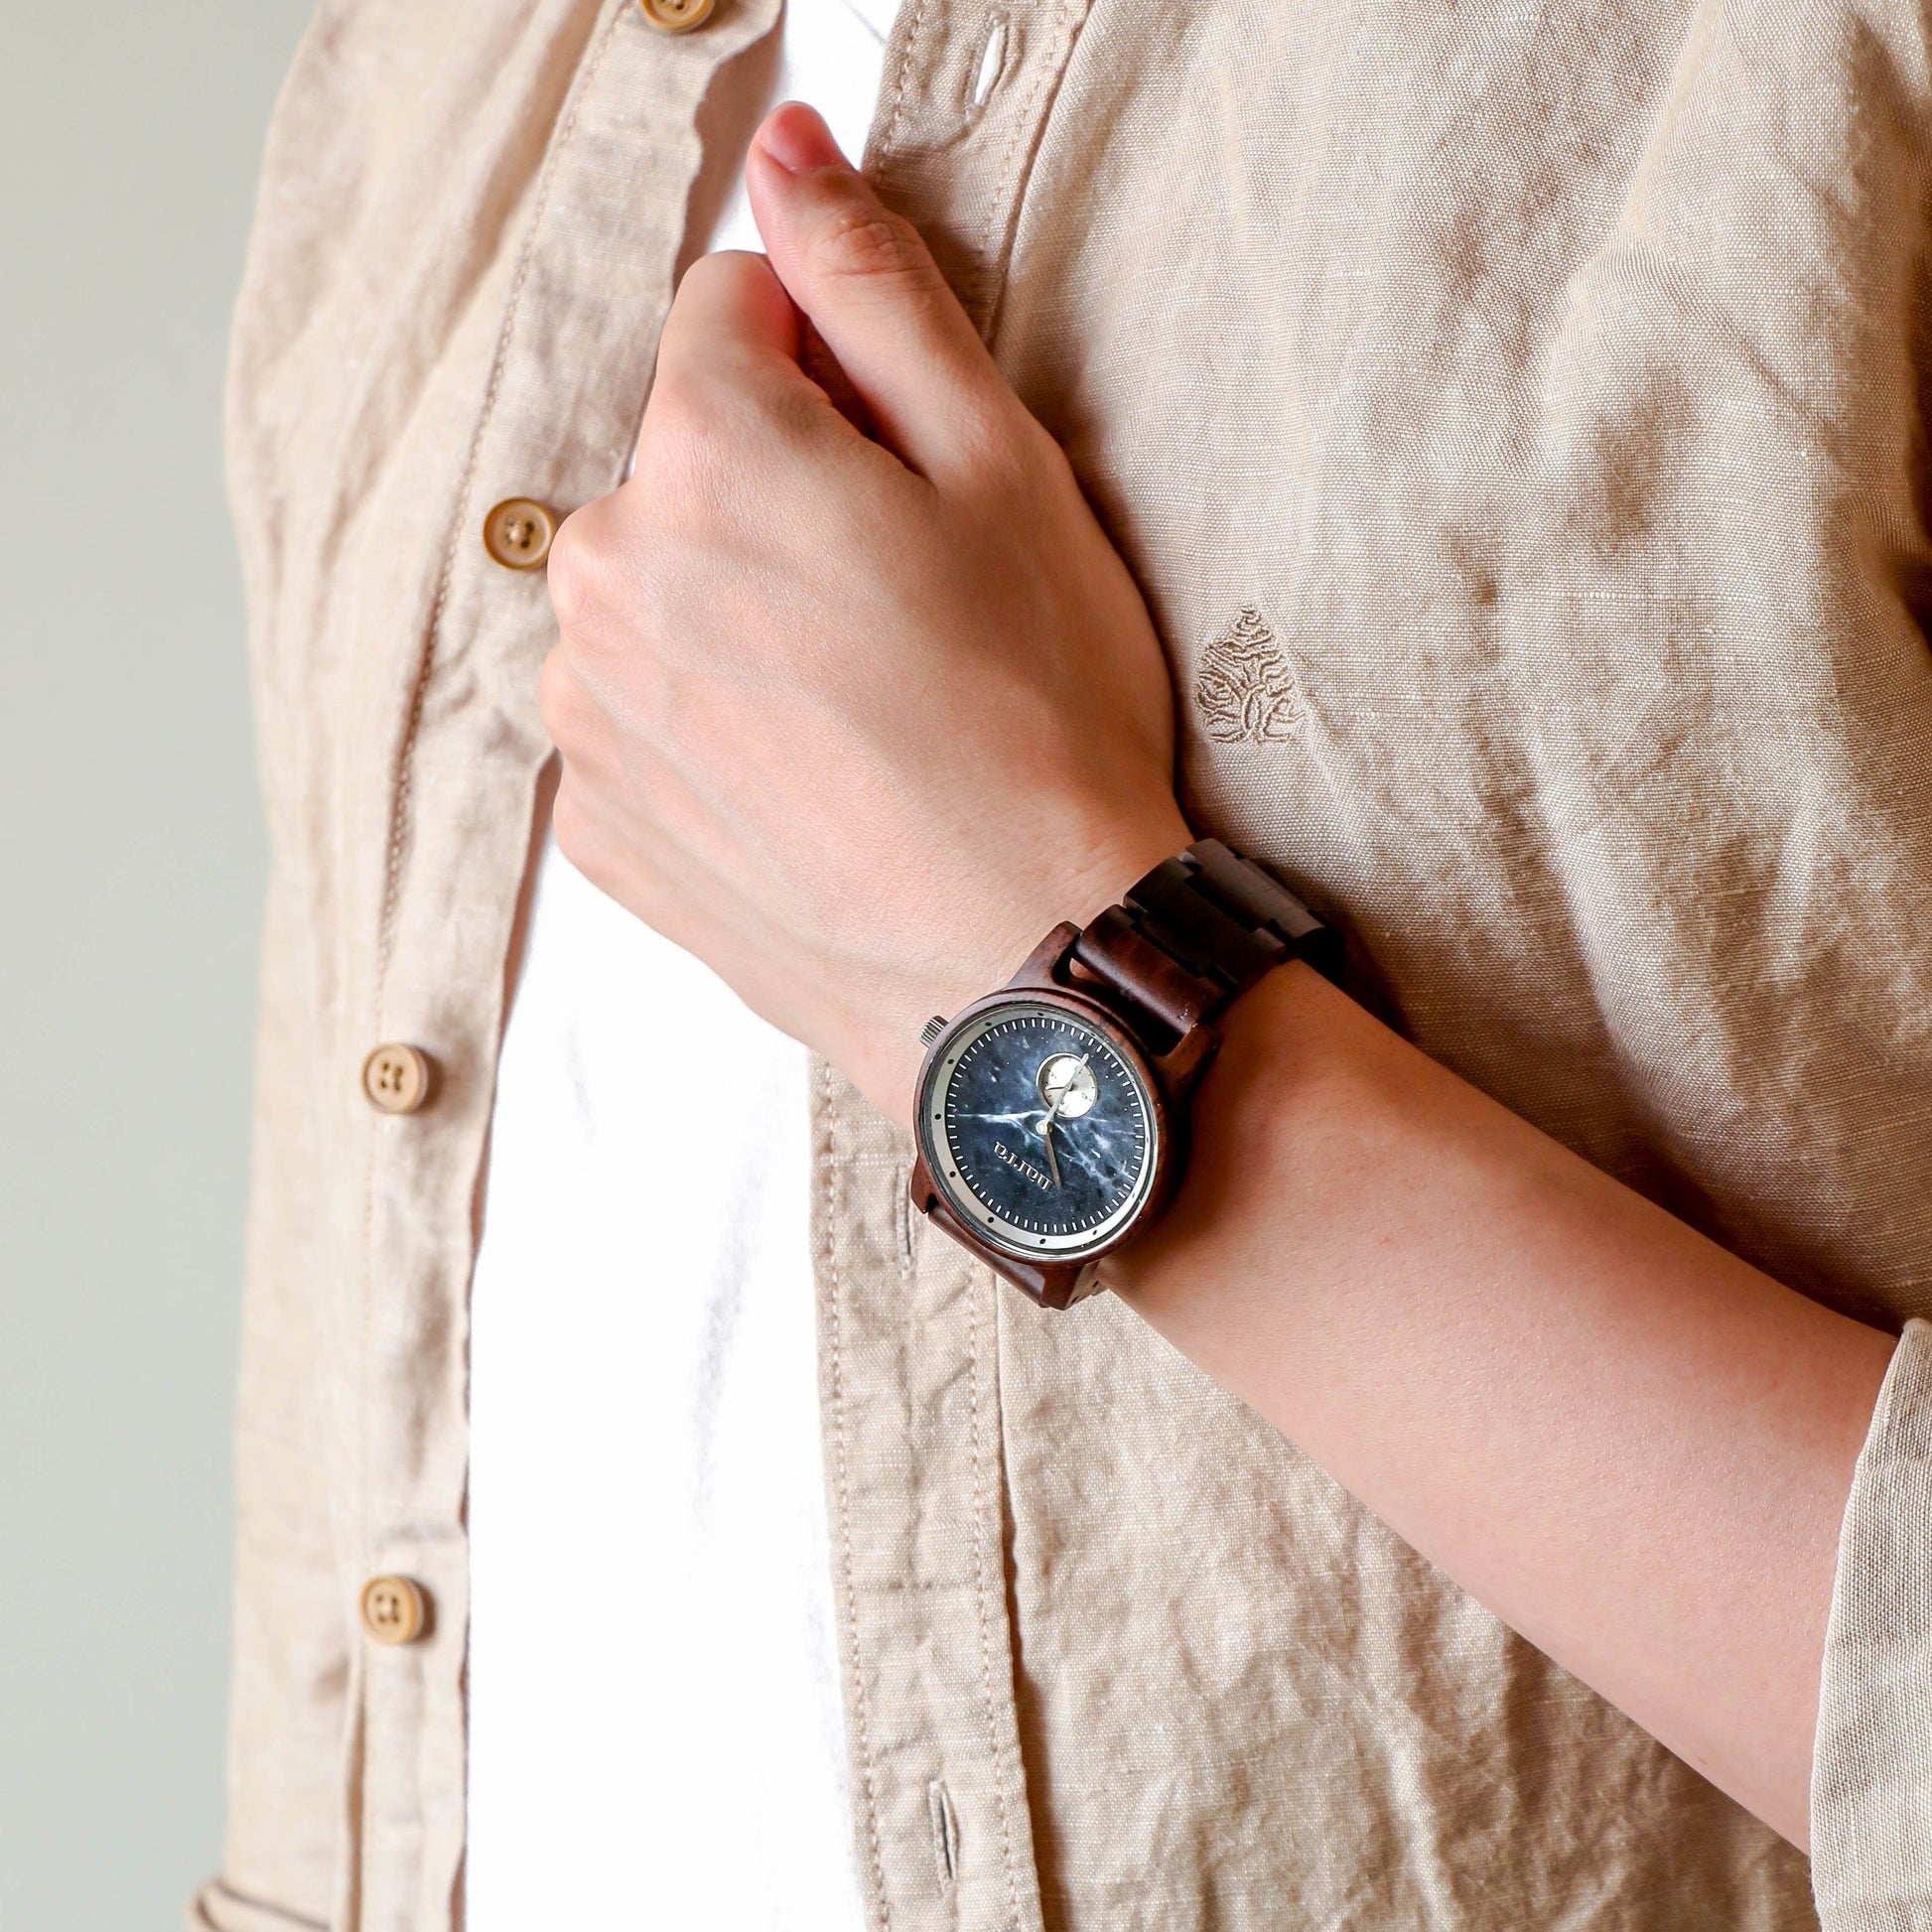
798 140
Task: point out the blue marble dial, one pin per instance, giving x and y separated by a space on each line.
1039 1130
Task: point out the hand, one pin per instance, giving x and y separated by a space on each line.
856 721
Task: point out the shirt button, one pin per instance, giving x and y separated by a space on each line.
396 1078
394 1609
676 16
517 533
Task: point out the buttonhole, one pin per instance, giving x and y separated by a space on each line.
992 58
903 1221
945 1833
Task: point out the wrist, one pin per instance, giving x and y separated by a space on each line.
1293 1072
990 933
1085 874
1053 1111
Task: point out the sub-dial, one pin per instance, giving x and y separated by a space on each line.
1068 1085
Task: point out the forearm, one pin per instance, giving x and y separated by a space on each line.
1631 1445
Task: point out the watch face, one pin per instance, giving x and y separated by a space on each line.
1039 1130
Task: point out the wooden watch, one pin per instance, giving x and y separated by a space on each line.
1053 1116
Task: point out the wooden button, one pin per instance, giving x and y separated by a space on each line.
396 1078
517 533
676 16
394 1609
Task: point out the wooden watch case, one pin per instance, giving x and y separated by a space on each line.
1052 977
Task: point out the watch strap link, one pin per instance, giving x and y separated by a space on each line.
1198 932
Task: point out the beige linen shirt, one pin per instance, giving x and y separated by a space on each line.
1513 416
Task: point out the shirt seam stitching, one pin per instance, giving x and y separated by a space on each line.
981 1507
861 1712
1021 147
900 79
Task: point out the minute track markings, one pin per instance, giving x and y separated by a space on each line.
996 1113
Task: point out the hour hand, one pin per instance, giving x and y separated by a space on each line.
1046 1131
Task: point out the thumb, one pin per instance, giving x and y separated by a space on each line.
873 291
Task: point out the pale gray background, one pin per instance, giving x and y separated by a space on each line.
130 887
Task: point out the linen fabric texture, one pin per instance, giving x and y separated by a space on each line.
1513 417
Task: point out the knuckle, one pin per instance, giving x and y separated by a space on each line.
683 396
873 245
685 444
697 283
985 437
794 417
580 573
725 275
1006 452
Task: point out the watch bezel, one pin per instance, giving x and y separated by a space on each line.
968 1025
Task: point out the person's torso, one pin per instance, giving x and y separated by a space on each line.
1512 422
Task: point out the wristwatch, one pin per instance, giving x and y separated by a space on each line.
1053 1116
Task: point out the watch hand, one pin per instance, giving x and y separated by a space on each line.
1046 1131
1047 1134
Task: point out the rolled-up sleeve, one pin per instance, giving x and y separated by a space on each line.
1872 1775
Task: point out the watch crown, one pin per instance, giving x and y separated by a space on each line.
932 1029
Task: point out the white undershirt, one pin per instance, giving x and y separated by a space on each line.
656 1737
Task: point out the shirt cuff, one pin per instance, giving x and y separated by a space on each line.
1872 1764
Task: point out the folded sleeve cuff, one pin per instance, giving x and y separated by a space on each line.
220 1908
1871 1768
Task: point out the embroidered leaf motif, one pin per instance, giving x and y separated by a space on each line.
1246 686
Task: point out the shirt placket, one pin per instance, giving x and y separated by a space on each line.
554 426
909 1325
